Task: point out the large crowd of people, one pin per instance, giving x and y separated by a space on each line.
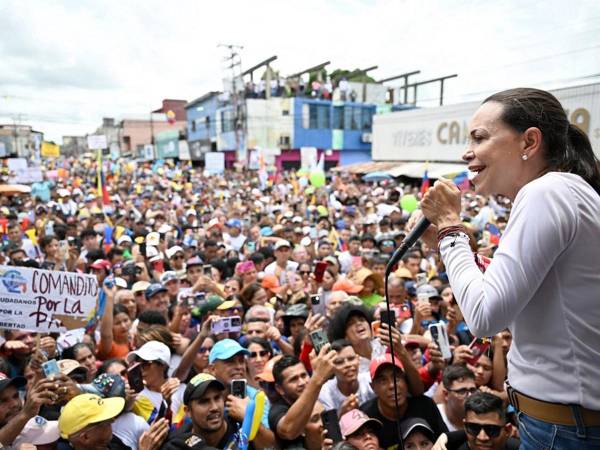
217 292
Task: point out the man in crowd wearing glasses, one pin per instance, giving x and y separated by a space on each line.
227 363
485 426
459 383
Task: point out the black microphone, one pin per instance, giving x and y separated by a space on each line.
407 243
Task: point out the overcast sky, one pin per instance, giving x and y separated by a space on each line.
66 64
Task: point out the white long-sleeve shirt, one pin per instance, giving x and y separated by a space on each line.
544 285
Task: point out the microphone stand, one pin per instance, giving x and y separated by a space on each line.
405 245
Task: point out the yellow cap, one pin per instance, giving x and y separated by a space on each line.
87 409
227 304
139 286
403 272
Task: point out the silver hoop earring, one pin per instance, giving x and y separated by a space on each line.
524 157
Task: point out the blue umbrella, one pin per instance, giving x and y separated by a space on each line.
377 176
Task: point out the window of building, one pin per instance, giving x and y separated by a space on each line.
318 116
367 118
305 116
352 118
193 126
357 118
284 141
338 117
227 124
324 116
313 118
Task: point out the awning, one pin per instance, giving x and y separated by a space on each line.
366 167
407 169
434 170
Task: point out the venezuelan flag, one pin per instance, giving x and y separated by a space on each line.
102 191
462 181
424 183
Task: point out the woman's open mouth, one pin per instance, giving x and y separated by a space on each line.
474 172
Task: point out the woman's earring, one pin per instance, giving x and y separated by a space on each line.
524 157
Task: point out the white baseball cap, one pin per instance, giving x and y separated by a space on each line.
170 252
120 282
153 238
282 243
124 238
152 351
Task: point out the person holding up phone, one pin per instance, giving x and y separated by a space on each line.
227 362
426 309
209 425
14 413
161 396
298 392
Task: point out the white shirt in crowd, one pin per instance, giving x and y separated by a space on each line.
291 266
235 242
544 285
157 399
345 260
129 427
449 424
331 397
377 349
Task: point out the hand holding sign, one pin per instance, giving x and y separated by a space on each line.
45 301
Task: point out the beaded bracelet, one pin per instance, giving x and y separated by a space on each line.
451 231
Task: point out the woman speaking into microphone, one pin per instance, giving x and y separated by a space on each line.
544 280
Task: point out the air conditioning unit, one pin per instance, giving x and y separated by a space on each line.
366 138
284 141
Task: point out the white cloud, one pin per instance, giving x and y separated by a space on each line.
67 64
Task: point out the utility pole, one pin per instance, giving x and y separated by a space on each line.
233 65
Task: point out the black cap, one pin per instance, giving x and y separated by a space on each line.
296 310
415 423
18 382
198 386
154 289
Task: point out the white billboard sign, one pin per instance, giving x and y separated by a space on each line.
214 163
96 142
440 134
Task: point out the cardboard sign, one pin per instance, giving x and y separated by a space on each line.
214 163
44 300
96 142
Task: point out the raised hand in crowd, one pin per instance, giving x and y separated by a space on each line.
155 436
169 388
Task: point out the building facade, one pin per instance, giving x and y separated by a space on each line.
73 145
281 126
201 124
20 141
136 133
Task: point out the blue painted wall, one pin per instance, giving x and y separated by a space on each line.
324 124
315 131
225 128
201 118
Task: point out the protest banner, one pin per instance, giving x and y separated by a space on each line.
44 300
